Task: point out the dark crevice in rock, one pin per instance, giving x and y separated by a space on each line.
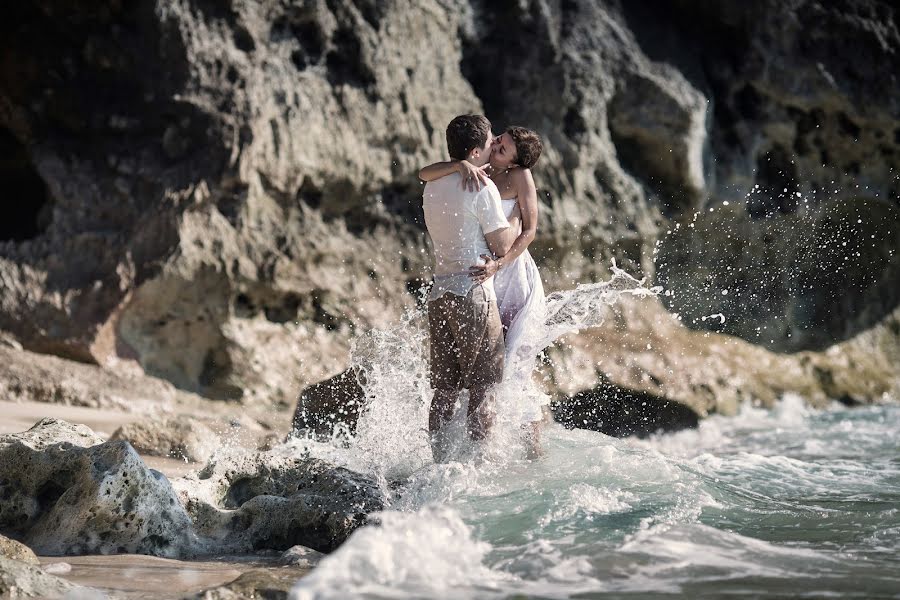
300 24
512 42
621 412
777 178
309 194
29 207
243 41
346 63
213 378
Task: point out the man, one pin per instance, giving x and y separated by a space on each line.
466 228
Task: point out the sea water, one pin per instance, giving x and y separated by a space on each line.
787 502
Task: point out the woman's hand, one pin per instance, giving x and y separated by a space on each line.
473 178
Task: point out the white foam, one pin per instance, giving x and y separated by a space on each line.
430 553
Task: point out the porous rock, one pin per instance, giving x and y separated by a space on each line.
620 412
300 556
17 551
265 500
67 492
330 405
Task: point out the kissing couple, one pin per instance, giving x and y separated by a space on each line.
481 214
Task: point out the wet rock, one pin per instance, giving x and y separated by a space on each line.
804 280
22 580
300 556
65 492
258 583
643 348
14 550
270 500
621 412
183 437
329 405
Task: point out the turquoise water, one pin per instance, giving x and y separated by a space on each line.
788 502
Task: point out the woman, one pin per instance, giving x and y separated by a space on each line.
517 283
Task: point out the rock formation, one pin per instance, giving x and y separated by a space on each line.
269 500
14 550
65 492
223 194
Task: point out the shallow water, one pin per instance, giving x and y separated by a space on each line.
787 502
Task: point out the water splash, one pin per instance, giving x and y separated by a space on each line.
392 367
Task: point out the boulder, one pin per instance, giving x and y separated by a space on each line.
261 500
182 436
330 405
31 377
258 583
300 556
14 550
66 492
621 412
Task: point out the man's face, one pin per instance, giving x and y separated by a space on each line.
503 151
483 154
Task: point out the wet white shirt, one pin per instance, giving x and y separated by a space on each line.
457 221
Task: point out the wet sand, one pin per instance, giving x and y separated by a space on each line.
135 576
20 416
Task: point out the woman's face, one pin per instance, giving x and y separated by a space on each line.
503 151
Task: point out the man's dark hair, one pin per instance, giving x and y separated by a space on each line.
466 132
528 146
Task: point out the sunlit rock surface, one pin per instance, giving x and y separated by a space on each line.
181 437
222 195
14 550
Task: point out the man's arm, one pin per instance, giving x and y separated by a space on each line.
473 178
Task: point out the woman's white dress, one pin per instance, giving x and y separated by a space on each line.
520 299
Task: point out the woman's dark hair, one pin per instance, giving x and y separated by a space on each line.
466 132
528 146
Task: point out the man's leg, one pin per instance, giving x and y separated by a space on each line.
443 404
480 340
445 373
481 412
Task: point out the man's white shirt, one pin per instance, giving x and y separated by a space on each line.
457 222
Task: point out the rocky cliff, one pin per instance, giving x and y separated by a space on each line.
222 192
